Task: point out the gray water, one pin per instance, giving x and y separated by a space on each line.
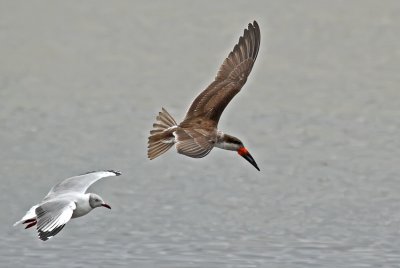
82 81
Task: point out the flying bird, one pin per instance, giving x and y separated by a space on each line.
197 134
66 200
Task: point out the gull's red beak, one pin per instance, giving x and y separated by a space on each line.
246 155
106 206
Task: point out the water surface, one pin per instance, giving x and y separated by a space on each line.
81 84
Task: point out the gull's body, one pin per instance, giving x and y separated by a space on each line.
198 133
65 201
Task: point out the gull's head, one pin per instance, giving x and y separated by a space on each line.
96 201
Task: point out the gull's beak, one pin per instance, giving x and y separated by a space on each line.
246 155
106 206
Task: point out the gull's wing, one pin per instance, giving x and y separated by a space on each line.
231 77
79 183
52 216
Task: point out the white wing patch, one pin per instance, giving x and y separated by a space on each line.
78 183
52 216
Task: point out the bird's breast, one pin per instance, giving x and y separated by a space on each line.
82 208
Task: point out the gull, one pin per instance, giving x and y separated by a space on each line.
66 200
197 134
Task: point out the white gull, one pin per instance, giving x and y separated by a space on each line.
65 201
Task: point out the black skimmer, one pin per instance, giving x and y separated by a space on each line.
197 134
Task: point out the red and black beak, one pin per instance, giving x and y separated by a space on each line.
246 155
106 206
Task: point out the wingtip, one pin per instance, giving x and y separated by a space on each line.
254 27
253 24
117 173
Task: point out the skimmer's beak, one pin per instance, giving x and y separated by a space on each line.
246 155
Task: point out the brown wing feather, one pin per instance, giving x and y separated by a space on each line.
195 143
231 77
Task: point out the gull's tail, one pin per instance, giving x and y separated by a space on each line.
31 214
162 135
